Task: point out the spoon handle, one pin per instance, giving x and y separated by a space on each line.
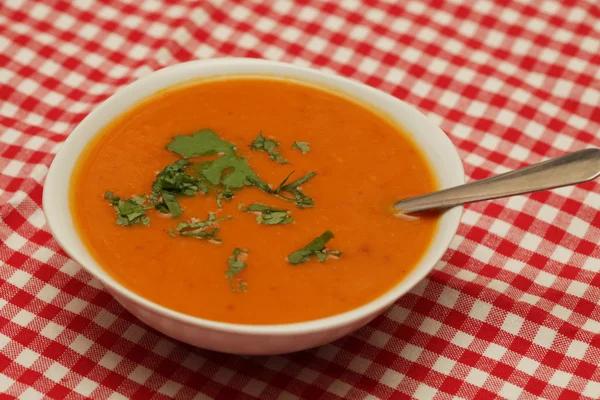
580 166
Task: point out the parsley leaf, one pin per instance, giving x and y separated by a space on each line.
235 267
199 229
302 146
172 182
130 211
315 248
268 145
205 142
269 215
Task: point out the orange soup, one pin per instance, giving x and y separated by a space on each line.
183 200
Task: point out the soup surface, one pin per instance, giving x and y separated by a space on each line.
363 163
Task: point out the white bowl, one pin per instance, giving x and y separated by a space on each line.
240 338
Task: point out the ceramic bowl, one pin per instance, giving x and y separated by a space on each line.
240 338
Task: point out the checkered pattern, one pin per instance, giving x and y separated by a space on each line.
513 309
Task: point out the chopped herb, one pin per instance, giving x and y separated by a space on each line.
235 267
269 215
226 195
257 207
300 181
228 170
270 146
202 234
315 248
130 211
199 228
205 142
171 232
256 181
172 182
301 199
171 203
302 146
278 188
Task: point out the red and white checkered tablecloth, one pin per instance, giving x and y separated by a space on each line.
511 312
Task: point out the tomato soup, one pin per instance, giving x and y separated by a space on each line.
182 199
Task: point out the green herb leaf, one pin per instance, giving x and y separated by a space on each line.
235 267
257 207
201 143
198 229
172 182
269 215
226 195
270 146
171 232
109 195
259 183
295 184
130 211
315 248
280 186
169 200
302 146
228 170
301 199
274 218
202 234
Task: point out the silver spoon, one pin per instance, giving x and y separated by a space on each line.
577 167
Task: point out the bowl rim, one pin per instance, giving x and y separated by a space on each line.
362 312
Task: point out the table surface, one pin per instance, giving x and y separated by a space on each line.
512 310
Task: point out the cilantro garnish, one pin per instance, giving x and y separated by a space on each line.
198 229
290 187
130 211
270 146
202 143
301 200
315 248
259 183
302 146
172 182
268 215
280 186
228 170
235 267
226 195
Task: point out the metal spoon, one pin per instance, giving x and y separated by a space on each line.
577 167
